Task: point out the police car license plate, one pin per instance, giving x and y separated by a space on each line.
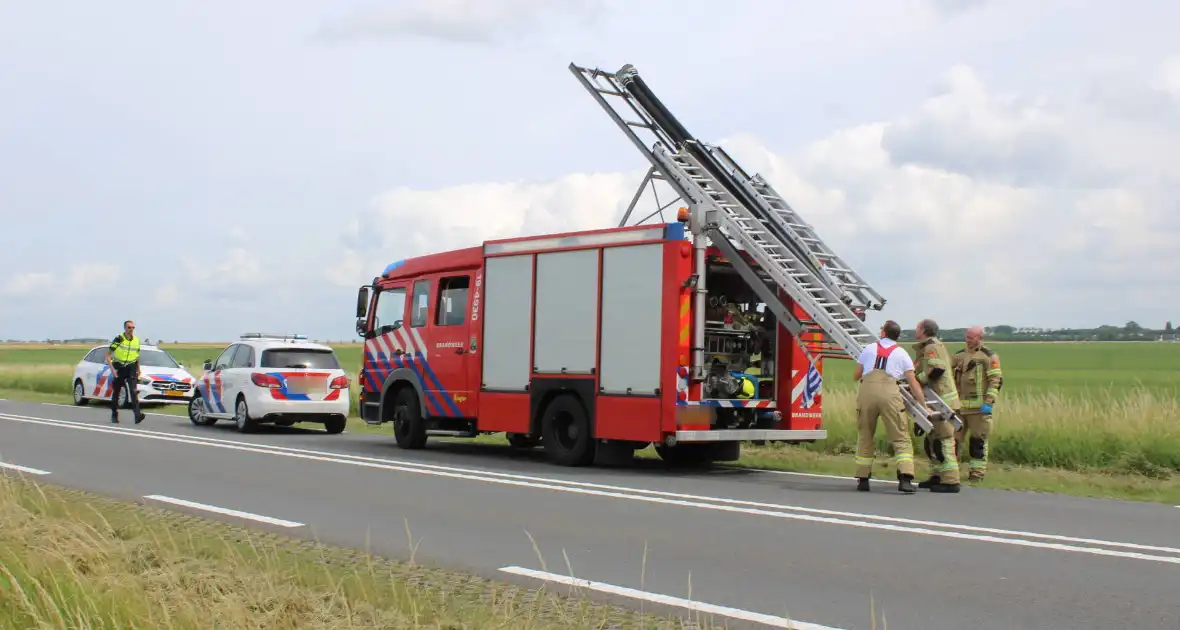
302 384
174 393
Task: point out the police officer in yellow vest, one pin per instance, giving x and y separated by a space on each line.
123 360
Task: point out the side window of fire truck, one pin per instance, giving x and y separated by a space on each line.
421 304
391 308
451 309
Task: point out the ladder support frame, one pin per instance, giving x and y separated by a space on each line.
754 225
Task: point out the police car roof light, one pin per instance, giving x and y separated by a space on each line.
256 335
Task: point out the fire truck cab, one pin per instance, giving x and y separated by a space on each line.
585 343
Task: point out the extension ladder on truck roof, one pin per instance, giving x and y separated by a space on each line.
739 211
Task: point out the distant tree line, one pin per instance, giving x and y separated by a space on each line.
1131 331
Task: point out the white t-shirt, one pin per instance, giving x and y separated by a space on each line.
899 360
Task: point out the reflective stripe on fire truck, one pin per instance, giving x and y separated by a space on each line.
380 362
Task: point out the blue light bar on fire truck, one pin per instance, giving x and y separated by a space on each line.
392 266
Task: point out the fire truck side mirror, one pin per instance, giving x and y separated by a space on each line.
360 327
362 302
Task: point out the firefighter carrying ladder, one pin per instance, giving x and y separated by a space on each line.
736 210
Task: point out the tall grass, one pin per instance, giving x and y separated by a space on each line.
69 563
1136 431
37 377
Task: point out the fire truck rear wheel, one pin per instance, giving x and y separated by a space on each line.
408 427
566 432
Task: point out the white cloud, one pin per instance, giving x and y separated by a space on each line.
405 222
92 279
977 206
81 280
25 284
225 272
465 21
166 296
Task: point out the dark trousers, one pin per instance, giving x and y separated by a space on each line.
125 376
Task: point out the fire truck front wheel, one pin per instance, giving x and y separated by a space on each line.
566 432
409 429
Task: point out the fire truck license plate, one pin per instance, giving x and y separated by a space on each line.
695 414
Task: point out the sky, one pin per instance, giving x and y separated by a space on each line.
212 168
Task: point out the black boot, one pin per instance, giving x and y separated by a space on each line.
905 484
945 488
930 483
862 484
139 417
115 417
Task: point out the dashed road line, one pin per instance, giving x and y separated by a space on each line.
220 510
668 600
24 469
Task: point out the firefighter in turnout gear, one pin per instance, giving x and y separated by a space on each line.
933 367
123 360
979 379
878 369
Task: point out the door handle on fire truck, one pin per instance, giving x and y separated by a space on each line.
460 351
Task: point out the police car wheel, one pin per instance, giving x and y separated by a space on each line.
198 413
335 424
566 431
123 402
79 393
245 423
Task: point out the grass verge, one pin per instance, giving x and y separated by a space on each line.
71 559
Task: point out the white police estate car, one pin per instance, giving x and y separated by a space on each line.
280 379
164 380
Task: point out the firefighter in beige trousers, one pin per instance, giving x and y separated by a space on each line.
934 371
879 368
979 379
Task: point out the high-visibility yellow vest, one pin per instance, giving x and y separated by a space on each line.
126 351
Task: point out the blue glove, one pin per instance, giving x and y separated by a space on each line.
986 408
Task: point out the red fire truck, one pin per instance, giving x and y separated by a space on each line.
694 334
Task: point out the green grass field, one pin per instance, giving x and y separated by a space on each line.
1104 418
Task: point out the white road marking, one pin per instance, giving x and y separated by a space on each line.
226 511
741 468
24 469
803 474
640 494
107 408
712 609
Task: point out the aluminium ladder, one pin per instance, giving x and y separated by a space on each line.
763 228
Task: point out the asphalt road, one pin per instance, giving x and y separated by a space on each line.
748 542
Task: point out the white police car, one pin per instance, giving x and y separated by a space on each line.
164 380
279 379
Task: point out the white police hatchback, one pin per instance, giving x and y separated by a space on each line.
164 380
273 379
